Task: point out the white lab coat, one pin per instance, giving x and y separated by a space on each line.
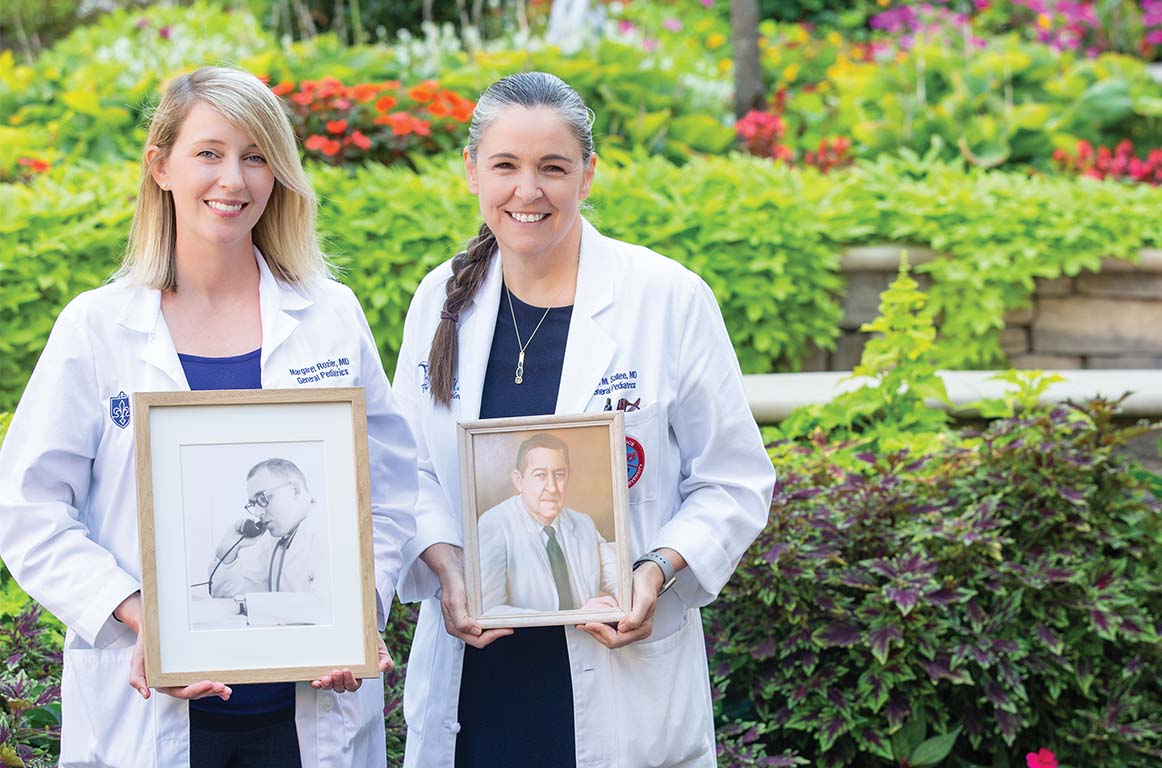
515 574
68 510
647 330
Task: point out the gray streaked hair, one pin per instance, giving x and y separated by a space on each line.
531 90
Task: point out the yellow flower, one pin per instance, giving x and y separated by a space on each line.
798 34
791 72
715 40
725 65
1043 21
834 38
823 86
883 3
774 55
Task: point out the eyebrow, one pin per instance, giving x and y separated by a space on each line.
511 156
220 143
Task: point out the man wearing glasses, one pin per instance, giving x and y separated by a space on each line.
273 562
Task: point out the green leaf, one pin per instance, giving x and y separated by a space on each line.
934 750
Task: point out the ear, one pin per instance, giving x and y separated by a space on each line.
587 176
470 173
157 168
518 481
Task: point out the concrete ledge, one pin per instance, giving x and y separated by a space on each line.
886 258
772 396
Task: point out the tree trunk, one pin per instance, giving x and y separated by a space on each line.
749 92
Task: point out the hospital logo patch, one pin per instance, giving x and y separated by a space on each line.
635 460
119 410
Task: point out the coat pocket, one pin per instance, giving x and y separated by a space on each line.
665 717
643 452
105 721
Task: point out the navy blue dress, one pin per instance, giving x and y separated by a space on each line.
260 711
516 695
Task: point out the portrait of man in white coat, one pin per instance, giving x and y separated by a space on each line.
269 567
537 553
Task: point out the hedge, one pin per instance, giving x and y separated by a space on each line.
766 238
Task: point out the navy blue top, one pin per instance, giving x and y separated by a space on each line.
516 695
237 372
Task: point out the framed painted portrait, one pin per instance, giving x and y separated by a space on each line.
546 529
254 514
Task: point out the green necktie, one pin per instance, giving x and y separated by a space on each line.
560 571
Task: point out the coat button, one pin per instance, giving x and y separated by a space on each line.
452 726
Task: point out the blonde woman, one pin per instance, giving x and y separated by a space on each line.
223 286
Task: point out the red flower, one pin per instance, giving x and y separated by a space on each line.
1041 759
283 88
336 126
361 141
34 165
331 147
302 98
385 103
315 142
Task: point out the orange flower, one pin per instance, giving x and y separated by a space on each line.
391 85
438 108
315 142
361 141
364 92
424 92
385 103
422 127
336 126
265 79
331 147
400 122
34 165
463 110
303 98
283 88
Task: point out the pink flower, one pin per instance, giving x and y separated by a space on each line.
164 32
707 3
625 27
650 44
1043 758
674 25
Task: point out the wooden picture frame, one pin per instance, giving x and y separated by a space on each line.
513 575
254 518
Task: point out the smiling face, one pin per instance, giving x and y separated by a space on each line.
543 483
219 180
287 503
531 179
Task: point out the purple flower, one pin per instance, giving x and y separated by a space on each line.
164 32
650 44
626 27
674 25
142 23
1155 37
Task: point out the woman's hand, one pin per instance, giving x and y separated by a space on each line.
639 622
129 613
341 680
448 563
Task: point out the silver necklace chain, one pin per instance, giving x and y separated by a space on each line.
520 360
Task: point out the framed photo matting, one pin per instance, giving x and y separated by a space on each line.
545 519
254 514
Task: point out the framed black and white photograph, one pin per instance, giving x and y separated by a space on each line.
255 523
546 530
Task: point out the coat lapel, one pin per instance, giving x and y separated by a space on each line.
276 301
589 347
143 315
475 341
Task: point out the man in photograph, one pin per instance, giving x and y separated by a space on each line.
536 553
273 566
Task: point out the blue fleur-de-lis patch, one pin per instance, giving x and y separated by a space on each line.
119 409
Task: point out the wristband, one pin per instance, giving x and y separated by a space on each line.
663 562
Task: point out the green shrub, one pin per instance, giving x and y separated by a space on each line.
921 591
767 239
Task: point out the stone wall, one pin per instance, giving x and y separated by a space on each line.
1112 319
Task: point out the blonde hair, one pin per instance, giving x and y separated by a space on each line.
285 233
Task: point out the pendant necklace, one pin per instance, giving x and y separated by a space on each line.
520 360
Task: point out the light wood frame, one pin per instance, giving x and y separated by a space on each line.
362 653
468 433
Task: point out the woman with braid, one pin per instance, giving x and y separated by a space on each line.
542 314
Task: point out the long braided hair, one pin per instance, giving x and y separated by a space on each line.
469 268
